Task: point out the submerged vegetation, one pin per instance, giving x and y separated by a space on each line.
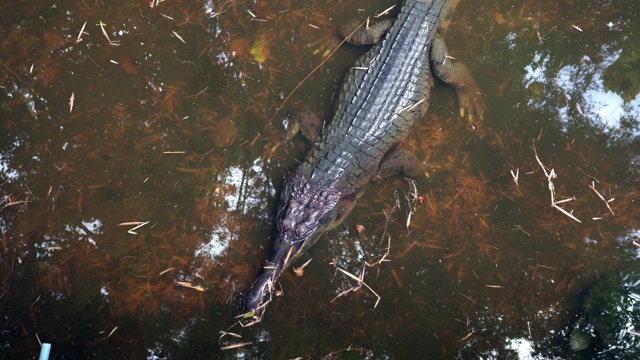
139 177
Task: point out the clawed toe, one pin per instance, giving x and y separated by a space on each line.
471 104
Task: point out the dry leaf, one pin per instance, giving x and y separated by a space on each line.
129 65
53 40
499 18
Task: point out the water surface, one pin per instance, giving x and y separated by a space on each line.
176 109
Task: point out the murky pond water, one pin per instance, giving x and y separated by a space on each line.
139 177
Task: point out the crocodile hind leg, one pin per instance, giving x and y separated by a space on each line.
401 161
458 76
367 34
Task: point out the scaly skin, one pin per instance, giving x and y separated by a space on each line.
383 96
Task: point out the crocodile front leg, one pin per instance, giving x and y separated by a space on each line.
402 161
305 122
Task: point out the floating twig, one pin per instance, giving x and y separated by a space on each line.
71 100
313 71
412 106
166 271
384 12
361 350
411 198
470 299
154 3
551 174
515 176
82 32
225 333
447 56
112 331
546 267
179 37
286 259
138 225
13 203
189 285
231 346
606 202
104 32
384 256
361 282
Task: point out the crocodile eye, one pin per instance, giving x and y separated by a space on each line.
301 230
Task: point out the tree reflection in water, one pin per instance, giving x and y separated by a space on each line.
485 269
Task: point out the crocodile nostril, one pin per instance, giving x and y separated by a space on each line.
301 230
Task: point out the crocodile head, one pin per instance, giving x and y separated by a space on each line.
305 212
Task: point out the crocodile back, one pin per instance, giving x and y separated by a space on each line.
382 97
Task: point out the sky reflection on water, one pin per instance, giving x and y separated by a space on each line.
486 267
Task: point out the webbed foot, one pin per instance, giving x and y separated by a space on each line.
402 161
305 122
471 101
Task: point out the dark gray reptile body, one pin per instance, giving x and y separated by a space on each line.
377 108
383 96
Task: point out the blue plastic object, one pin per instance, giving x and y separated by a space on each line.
44 351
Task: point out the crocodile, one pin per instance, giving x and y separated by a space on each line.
381 100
